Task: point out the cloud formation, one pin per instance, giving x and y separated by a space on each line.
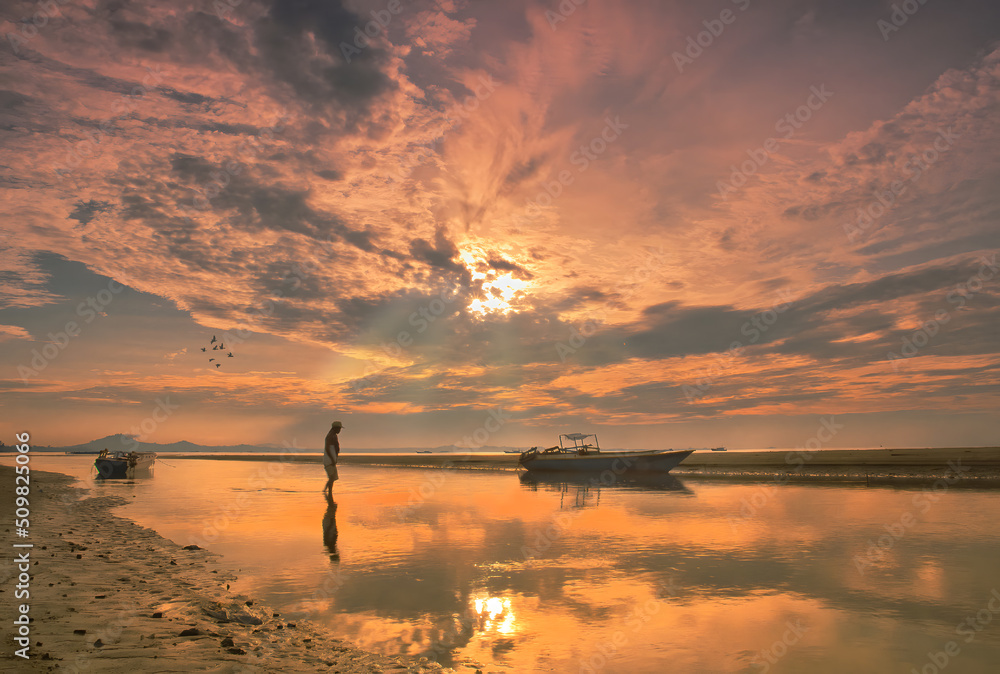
472 206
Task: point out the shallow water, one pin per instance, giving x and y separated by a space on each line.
689 576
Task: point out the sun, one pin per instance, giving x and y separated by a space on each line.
500 289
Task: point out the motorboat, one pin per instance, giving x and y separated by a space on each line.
576 452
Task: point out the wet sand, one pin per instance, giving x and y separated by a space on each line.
108 595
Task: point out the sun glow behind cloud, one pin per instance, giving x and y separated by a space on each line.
501 290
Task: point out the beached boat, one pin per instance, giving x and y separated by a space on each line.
586 456
124 464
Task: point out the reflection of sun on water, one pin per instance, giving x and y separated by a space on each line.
495 613
500 289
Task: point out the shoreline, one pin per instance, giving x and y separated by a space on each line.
962 466
109 595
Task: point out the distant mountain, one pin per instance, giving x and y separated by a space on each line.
126 442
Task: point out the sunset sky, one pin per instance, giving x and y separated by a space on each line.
671 223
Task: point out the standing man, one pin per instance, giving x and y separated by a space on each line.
330 452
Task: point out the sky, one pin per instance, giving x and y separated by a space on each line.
674 224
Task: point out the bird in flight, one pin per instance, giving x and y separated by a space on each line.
220 347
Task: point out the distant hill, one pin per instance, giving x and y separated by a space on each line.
126 442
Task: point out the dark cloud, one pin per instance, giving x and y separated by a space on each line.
135 35
282 40
187 97
184 244
522 172
85 76
252 134
231 129
277 208
330 174
135 206
890 287
375 319
249 203
206 35
286 275
12 101
190 168
812 212
677 330
500 264
440 254
84 212
582 296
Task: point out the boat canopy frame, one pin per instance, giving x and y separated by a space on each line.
580 446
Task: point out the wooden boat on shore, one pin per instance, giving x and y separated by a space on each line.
584 456
124 464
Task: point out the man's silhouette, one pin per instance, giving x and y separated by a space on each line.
330 452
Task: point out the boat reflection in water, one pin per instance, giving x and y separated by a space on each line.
586 489
558 480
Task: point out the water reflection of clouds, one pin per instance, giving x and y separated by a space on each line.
453 576
791 562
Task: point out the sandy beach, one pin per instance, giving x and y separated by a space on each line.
108 595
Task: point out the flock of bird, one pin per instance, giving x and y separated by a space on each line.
218 347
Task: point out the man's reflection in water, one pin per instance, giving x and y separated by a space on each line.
330 528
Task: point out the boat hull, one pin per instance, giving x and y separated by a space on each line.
598 462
